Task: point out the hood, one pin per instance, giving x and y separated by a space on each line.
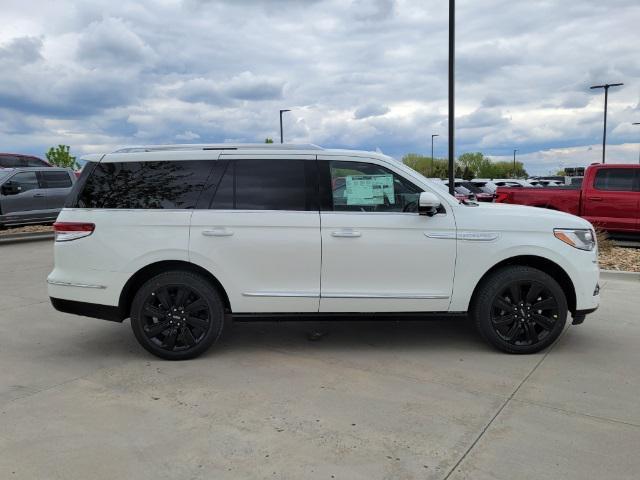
504 216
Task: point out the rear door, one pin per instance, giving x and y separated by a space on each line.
29 203
259 233
57 185
611 202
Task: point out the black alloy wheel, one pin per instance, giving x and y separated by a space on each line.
524 313
520 309
177 315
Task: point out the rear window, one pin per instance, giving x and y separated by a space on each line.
265 184
16 161
616 179
143 185
55 180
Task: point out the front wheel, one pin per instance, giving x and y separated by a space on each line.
520 309
177 315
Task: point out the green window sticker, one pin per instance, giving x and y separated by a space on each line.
369 190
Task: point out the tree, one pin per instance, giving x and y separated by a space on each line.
467 174
60 157
560 173
268 140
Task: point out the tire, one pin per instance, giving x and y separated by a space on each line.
519 309
177 315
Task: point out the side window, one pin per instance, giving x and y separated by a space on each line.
265 184
35 162
366 187
55 180
145 185
9 161
25 180
615 179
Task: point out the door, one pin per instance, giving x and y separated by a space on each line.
26 202
259 234
378 253
612 202
57 185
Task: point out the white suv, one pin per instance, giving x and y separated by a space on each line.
179 237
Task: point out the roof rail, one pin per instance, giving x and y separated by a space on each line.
218 146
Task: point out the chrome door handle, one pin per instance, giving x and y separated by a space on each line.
38 195
595 199
346 233
217 232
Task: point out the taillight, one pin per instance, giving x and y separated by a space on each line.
66 231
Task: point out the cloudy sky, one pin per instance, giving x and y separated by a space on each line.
360 74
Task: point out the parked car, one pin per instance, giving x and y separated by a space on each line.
487 186
609 197
179 238
478 193
33 195
17 160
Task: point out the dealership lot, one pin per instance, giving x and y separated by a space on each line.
80 399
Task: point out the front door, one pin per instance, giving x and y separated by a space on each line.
378 253
612 202
28 203
260 233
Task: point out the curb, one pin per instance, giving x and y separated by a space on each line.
25 237
620 275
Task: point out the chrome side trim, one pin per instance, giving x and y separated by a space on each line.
467 236
441 235
478 236
72 284
281 294
385 295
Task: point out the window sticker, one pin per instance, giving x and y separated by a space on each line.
369 190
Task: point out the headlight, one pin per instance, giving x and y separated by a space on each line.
584 239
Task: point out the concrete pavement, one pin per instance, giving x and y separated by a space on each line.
80 399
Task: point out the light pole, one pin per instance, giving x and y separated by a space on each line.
637 123
514 162
432 136
281 135
452 58
606 87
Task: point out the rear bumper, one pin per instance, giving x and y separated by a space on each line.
93 310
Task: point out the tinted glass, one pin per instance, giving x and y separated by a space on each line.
10 161
263 184
55 179
34 162
365 187
145 185
25 180
223 199
617 179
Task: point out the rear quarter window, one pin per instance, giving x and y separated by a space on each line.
143 185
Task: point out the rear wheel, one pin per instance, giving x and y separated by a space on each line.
177 315
520 310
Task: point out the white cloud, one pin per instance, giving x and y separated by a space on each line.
360 74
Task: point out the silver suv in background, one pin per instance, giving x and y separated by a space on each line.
33 195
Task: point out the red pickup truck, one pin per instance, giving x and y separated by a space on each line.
609 197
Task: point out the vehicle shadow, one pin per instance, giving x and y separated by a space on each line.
454 334
335 336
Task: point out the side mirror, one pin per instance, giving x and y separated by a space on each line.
428 204
10 188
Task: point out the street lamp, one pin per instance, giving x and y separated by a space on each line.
606 87
281 136
434 135
637 123
514 162
452 57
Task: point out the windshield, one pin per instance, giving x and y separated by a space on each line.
470 186
4 174
462 190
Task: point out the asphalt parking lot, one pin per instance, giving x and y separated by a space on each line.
393 400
